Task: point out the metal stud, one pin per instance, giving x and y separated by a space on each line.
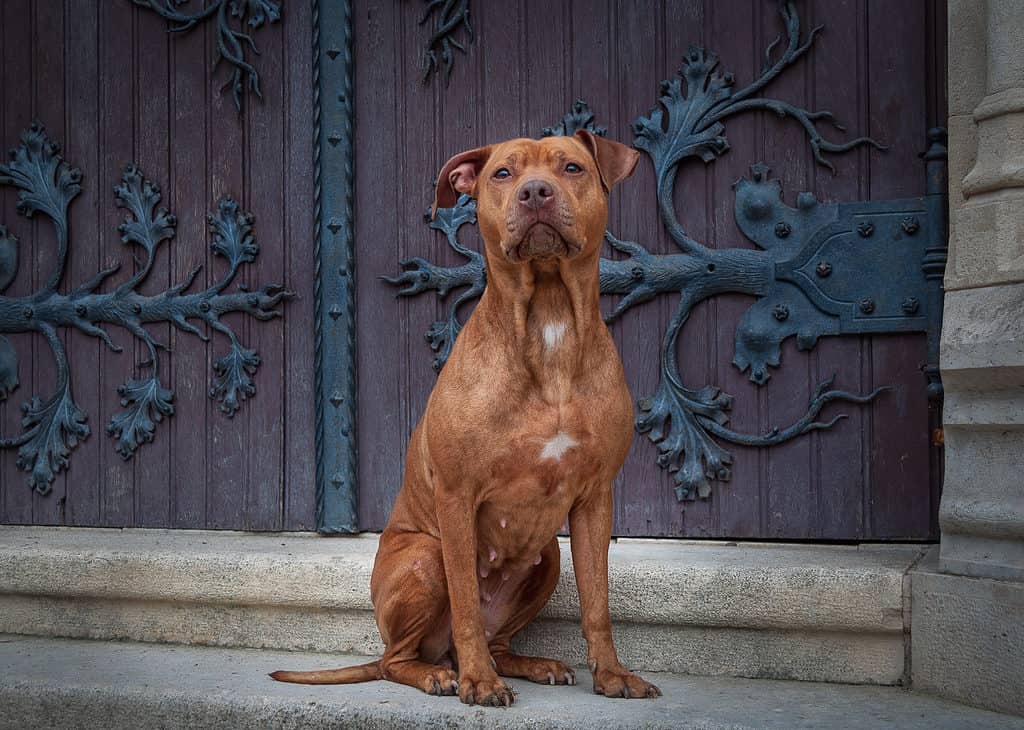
910 305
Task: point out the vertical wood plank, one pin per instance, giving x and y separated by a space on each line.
735 32
85 252
300 491
791 493
191 199
383 329
839 85
642 504
152 461
118 76
48 105
897 112
266 146
17 75
229 438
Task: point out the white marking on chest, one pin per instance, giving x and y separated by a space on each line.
556 446
554 333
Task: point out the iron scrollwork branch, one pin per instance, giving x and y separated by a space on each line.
231 42
450 14
801 273
53 426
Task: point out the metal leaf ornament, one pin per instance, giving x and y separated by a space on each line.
685 424
53 426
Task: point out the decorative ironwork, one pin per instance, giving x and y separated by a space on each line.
579 117
53 426
822 269
334 255
230 42
450 15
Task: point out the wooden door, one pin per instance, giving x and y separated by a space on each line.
115 89
879 67
302 421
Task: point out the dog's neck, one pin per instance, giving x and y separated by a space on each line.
547 312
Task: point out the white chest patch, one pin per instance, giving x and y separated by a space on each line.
556 446
554 333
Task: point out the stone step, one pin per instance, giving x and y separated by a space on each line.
815 613
71 683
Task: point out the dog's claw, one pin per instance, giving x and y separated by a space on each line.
570 678
551 678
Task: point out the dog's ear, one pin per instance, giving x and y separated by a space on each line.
458 176
615 161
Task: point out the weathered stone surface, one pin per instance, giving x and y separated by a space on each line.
986 241
967 638
60 683
804 612
982 509
1004 47
967 28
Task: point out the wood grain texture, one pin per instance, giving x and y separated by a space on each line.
877 66
113 87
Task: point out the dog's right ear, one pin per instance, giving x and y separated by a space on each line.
459 176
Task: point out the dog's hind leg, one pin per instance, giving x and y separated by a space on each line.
532 594
410 597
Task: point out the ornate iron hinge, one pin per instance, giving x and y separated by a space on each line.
821 269
231 42
54 426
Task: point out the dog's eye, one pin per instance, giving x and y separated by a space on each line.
502 173
573 167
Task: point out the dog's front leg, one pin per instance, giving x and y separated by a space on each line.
590 532
478 682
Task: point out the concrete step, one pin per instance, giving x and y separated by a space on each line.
69 683
815 613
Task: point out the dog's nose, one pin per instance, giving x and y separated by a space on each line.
535 193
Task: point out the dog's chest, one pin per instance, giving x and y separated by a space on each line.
544 473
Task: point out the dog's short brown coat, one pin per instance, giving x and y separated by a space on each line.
529 422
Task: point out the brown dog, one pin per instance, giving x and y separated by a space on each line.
528 423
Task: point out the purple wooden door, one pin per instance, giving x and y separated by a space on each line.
879 67
112 87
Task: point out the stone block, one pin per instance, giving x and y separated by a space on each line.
967 30
826 613
967 639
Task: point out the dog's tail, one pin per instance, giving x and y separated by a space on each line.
345 675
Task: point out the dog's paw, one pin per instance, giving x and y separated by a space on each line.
621 682
440 681
535 669
485 690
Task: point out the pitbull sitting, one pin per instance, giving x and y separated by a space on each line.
529 422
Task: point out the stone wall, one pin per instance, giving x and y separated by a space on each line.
968 632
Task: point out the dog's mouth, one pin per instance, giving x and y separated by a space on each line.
541 241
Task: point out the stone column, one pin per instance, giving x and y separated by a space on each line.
968 605
982 360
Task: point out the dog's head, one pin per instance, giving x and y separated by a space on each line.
539 199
